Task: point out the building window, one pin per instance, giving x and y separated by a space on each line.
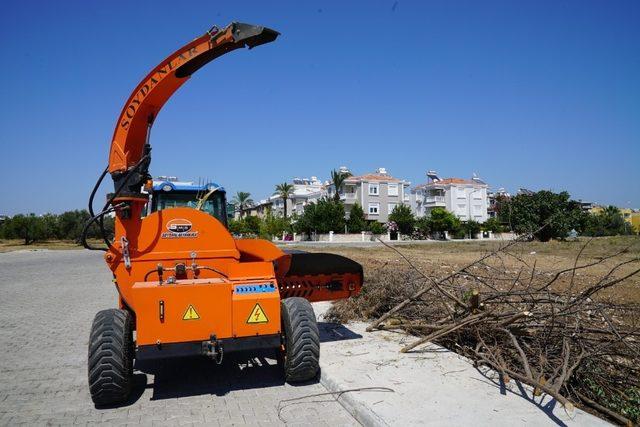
374 208
374 189
391 206
393 189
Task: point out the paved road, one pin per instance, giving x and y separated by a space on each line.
47 302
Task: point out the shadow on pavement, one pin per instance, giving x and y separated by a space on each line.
330 332
194 376
545 403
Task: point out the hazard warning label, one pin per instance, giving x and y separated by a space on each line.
257 315
191 313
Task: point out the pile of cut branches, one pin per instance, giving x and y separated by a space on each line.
563 332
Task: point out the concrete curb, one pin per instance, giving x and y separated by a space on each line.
358 410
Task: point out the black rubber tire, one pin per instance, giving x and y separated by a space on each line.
302 340
111 357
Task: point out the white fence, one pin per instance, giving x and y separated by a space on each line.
365 236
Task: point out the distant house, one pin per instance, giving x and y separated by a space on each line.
378 193
259 209
586 206
305 191
630 216
635 221
465 198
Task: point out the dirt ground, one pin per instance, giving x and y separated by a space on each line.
10 245
440 258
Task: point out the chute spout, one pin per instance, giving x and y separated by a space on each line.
148 98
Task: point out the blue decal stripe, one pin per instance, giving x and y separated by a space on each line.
254 289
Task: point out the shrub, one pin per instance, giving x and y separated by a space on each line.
404 218
471 228
356 222
376 228
608 222
493 225
422 228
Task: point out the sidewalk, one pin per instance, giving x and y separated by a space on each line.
432 386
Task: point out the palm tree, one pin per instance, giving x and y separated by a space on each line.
338 178
284 190
242 200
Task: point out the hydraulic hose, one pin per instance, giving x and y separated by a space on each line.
200 267
103 233
106 209
88 224
95 189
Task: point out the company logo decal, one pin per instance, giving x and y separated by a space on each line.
179 228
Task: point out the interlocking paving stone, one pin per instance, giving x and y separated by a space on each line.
47 303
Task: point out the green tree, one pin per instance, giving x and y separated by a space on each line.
237 226
608 222
71 224
501 203
66 226
321 217
442 220
242 201
50 226
423 227
356 222
252 224
285 191
546 214
29 228
471 228
404 218
274 226
493 225
376 228
338 178
249 225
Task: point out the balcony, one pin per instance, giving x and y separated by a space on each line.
348 197
434 201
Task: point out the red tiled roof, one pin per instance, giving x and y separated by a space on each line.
372 177
455 181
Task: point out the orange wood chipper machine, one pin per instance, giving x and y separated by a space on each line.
186 287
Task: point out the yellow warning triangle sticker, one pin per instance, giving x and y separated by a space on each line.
191 313
257 315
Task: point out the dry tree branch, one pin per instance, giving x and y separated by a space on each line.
543 328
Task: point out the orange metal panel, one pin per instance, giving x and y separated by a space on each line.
256 312
211 300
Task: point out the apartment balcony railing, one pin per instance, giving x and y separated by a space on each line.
432 200
348 197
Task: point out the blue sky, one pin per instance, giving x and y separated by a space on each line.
541 95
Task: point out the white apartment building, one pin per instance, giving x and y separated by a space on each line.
377 193
305 191
466 199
